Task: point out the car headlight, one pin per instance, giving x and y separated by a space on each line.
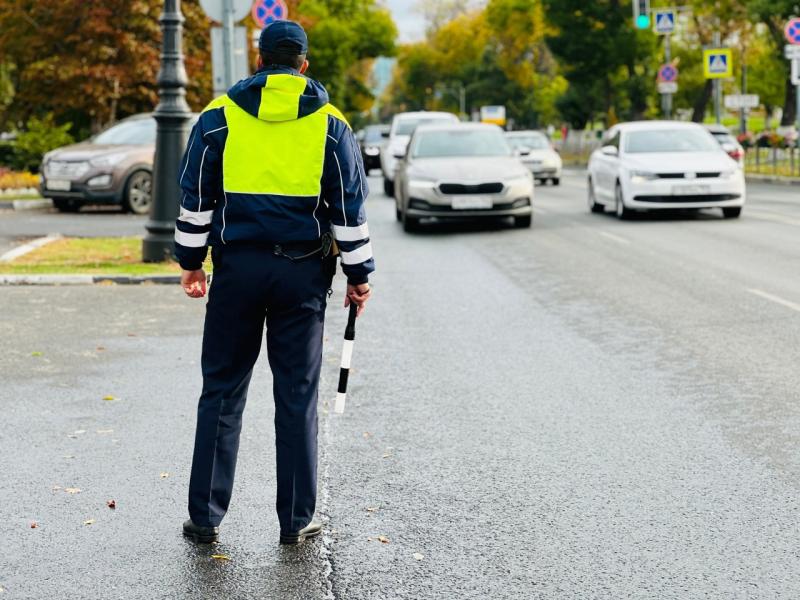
421 183
524 181
372 151
109 160
642 176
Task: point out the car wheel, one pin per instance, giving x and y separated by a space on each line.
388 187
523 222
594 206
410 224
620 209
66 205
398 214
138 193
556 181
732 212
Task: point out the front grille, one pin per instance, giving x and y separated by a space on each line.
65 169
692 198
704 175
423 205
478 188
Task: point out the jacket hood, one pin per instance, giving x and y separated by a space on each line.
279 95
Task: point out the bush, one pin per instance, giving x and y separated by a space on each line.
13 180
40 136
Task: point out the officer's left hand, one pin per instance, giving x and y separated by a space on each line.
358 295
194 283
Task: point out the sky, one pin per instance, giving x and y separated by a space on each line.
409 21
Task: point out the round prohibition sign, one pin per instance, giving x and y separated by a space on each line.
792 31
668 73
268 11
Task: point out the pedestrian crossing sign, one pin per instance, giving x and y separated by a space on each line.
718 63
664 21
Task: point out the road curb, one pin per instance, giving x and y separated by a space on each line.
59 280
24 249
26 204
778 179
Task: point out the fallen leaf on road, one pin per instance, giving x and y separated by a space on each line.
369 539
164 475
387 455
418 556
131 335
36 354
108 398
372 508
220 557
112 504
88 522
56 487
101 431
34 525
68 456
100 348
72 490
367 435
383 539
79 432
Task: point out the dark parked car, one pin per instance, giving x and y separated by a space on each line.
113 167
728 142
370 140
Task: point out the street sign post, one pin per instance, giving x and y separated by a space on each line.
227 12
265 12
493 114
795 71
742 101
664 22
668 73
791 51
240 62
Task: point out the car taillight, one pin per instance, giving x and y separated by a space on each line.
736 154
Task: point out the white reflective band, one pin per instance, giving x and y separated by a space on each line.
196 218
358 256
351 234
347 353
191 240
338 407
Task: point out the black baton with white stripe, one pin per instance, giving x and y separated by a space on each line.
347 354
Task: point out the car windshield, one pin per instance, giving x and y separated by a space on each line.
669 140
136 131
533 142
373 135
460 142
407 126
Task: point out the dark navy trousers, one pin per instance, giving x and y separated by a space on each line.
252 286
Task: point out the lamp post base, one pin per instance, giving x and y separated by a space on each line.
159 243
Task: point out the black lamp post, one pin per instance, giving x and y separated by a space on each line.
172 115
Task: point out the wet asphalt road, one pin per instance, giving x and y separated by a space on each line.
587 409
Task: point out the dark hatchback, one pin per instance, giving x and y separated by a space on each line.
370 141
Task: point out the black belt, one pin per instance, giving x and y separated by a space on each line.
298 250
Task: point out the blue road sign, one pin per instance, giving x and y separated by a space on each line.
664 21
668 73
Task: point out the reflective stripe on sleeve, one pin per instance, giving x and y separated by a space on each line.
357 256
191 240
196 218
351 234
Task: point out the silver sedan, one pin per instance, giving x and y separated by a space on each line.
461 171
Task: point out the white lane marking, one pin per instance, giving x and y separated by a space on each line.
15 253
775 299
774 217
616 238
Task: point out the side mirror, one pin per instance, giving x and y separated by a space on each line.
385 134
523 151
399 155
610 150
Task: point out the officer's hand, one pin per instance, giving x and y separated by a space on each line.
194 283
358 294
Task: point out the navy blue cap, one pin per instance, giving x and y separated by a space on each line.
283 37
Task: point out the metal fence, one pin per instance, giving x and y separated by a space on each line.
773 161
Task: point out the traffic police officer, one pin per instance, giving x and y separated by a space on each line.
271 170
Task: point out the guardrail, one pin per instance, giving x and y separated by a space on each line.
773 161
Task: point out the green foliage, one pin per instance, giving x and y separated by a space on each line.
41 135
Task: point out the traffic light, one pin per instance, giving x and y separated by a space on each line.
641 14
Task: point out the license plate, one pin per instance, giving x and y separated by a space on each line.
60 185
690 190
471 203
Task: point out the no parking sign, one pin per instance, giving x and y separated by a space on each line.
265 12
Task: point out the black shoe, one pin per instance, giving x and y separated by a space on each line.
311 530
202 535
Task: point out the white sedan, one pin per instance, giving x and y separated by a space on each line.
651 165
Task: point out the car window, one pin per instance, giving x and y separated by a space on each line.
407 126
136 131
534 142
373 135
614 141
669 140
724 138
460 142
